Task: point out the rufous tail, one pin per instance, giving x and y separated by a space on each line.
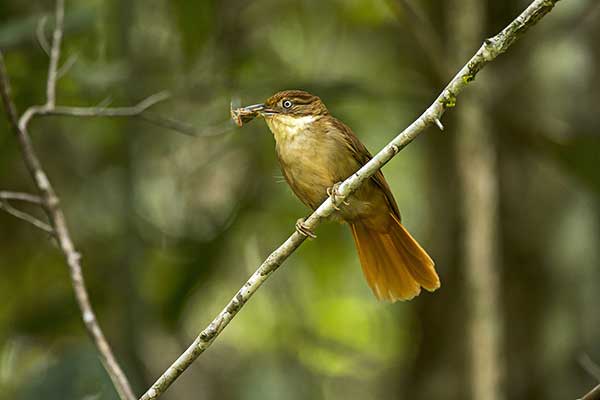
394 264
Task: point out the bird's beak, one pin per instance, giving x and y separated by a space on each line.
259 109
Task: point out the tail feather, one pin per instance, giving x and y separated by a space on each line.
394 264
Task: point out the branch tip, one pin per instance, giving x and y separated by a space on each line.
66 67
40 33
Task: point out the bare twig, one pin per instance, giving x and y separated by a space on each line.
51 205
5 205
55 53
55 73
594 370
19 196
186 128
56 216
48 198
40 32
594 394
64 69
590 366
139 110
131 111
107 101
6 197
490 49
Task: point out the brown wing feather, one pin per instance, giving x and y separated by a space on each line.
362 155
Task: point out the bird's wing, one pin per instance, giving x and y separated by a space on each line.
362 155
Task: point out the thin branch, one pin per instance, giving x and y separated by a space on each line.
19 196
590 366
48 198
5 205
130 111
185 128
55 53
139 110
40 33
105 102
594 394
64 69
490 49
594 370
51 205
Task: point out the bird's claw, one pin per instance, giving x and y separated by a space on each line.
302 229
332 192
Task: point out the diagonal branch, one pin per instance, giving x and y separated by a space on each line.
594 370
62 71
490 49
590 366
47 198
51 205
594 394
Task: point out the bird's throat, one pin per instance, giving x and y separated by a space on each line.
288 127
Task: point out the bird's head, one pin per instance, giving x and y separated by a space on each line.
294 103
288 103
287 112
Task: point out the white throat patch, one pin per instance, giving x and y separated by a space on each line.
285 127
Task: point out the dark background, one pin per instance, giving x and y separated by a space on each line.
170 226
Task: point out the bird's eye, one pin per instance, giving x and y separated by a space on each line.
287 104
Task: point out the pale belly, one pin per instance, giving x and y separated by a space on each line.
311 164
310 167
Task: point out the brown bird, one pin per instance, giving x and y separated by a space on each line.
317 151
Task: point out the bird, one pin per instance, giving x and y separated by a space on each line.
317 151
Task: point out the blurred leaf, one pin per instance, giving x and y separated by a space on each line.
194 21
18 31
580 156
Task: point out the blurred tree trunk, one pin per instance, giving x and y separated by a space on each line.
131 312
478 182
438 369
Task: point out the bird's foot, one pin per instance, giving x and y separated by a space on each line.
332 192
302 229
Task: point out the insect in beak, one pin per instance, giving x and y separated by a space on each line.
246 114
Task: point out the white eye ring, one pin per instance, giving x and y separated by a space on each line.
287 104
